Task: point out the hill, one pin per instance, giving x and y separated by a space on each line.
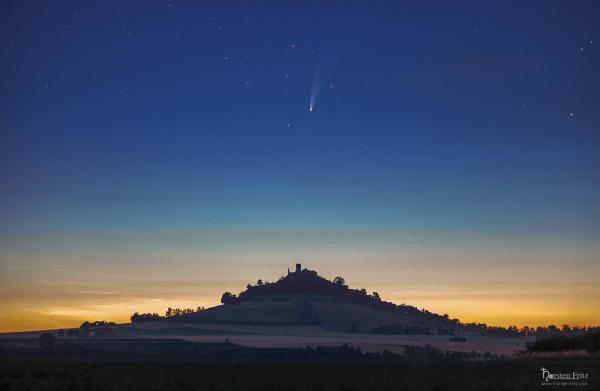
303 297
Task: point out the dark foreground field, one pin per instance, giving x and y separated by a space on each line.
168 364
172 375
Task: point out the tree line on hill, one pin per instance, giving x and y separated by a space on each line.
172 314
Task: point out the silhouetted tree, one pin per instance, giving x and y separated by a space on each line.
228 298
139 318
339 281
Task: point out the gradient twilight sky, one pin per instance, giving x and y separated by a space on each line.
156 154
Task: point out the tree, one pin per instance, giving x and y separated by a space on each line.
139 318
339 281
375 295
259 282
228 298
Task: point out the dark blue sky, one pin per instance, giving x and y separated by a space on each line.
466 116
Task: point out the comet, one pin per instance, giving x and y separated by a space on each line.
316 87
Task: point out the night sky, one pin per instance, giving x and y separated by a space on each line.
160 153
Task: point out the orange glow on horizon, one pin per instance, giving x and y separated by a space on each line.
475 278
479 311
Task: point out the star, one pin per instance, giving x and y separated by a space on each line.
571 115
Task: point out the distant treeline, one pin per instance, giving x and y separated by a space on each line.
49 346
540 332
96 324
171 314
590 342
